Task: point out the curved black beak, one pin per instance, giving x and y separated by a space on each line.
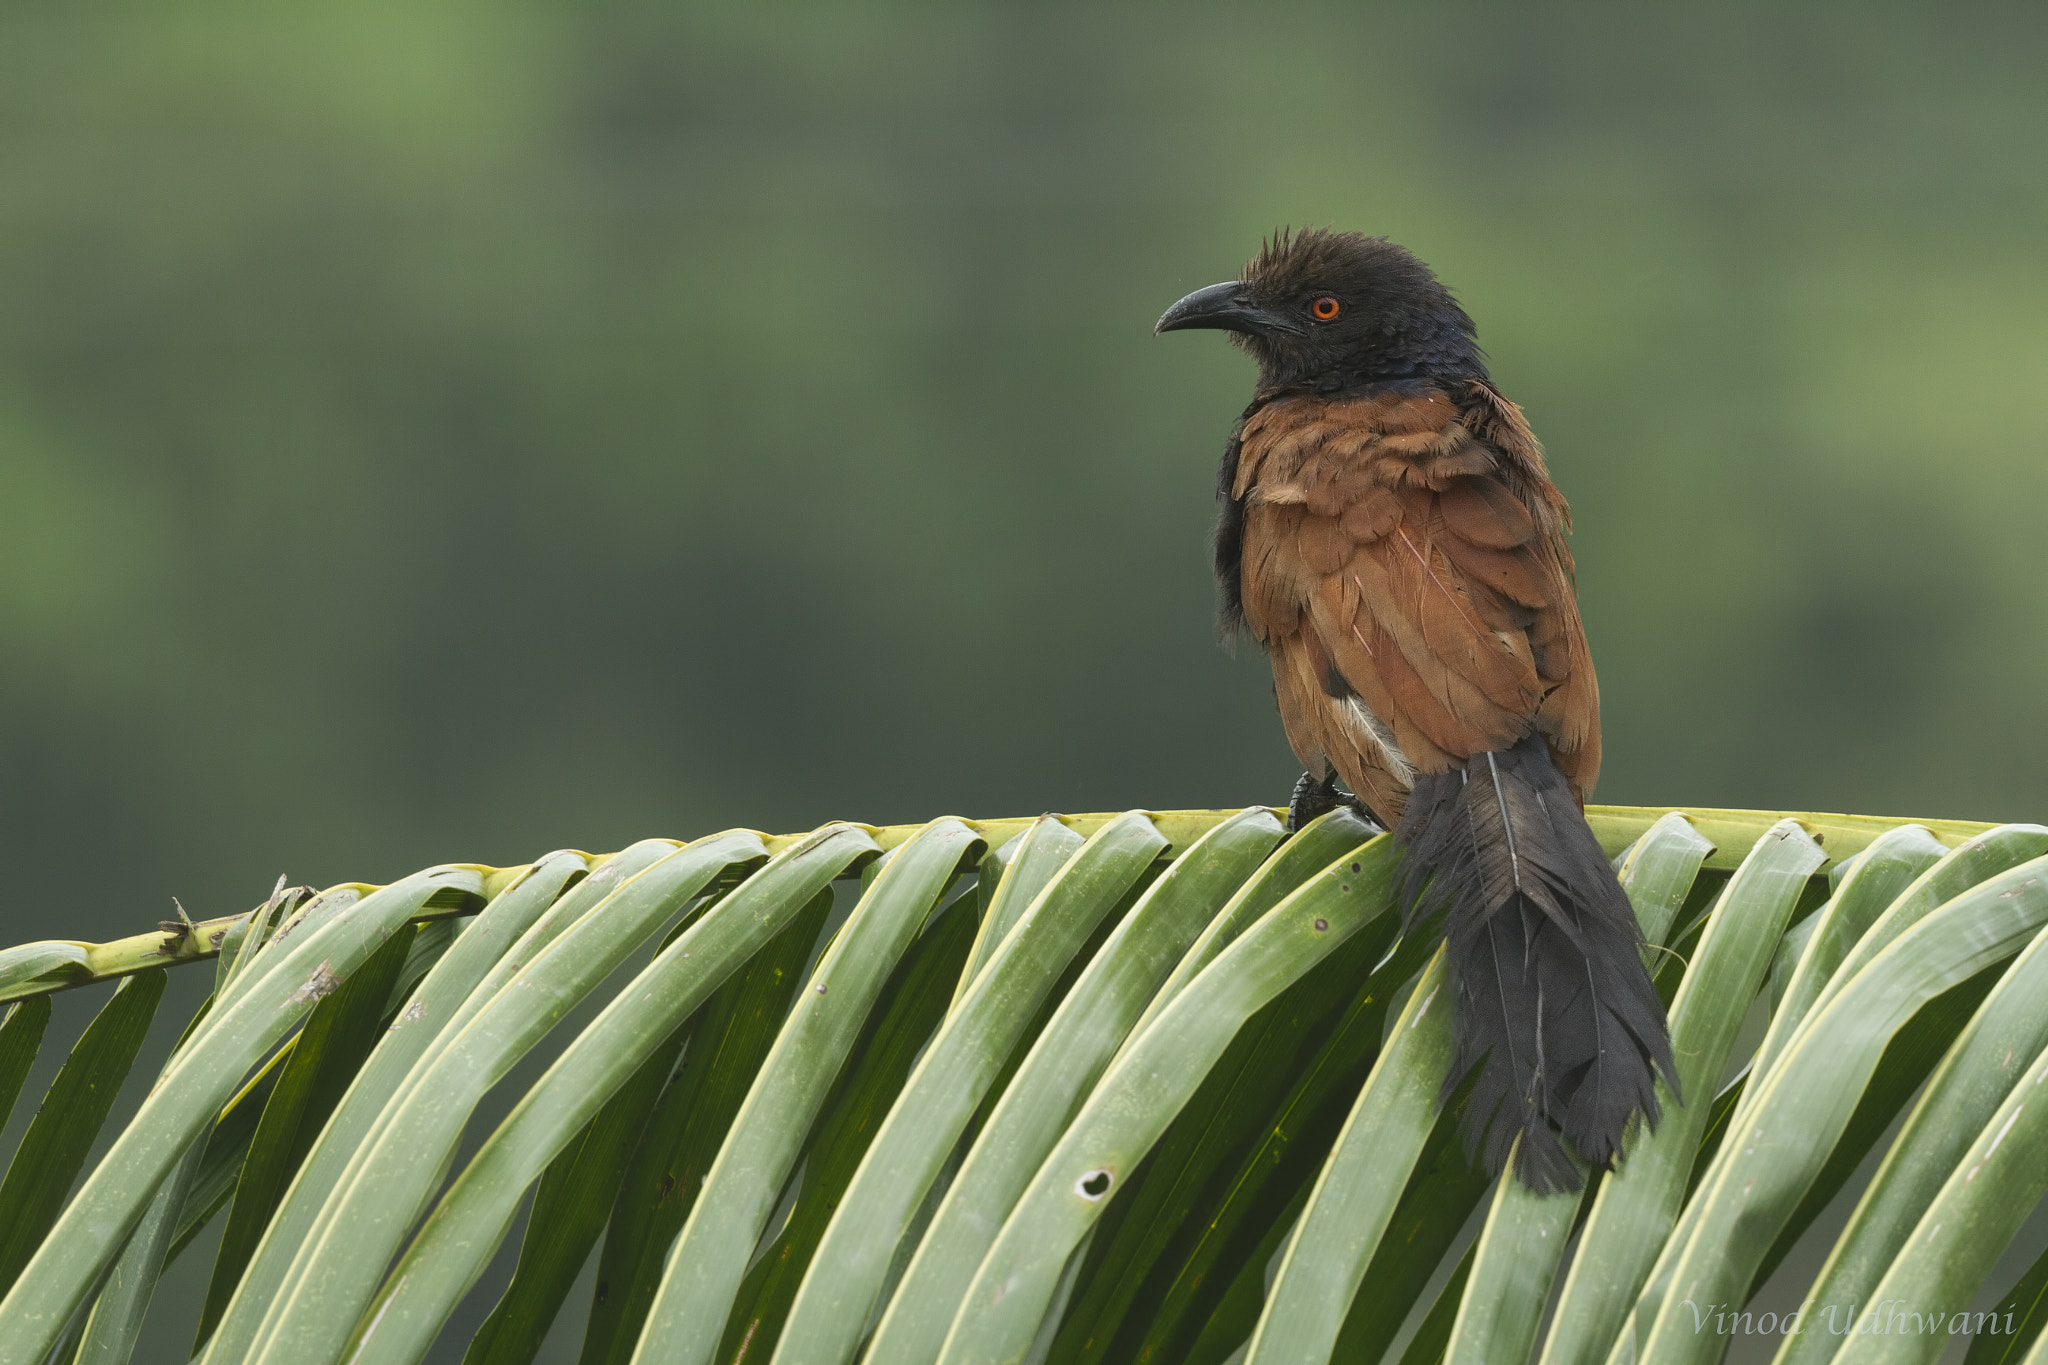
1224 307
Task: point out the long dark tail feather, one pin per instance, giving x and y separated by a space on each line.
1554 1005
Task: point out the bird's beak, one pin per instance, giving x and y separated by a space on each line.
1225 307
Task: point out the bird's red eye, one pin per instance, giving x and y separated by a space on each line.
1325 308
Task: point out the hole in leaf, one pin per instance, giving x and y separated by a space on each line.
1094 1185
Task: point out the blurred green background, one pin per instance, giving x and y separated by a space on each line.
453 432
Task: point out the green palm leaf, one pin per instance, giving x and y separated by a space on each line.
1156 1087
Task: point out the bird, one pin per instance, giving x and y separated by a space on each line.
1389 534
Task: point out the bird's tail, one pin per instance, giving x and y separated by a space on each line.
1547 960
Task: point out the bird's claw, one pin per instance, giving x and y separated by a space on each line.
1314 796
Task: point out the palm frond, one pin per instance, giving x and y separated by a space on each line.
1140 1086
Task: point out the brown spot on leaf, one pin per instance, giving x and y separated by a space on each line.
319 985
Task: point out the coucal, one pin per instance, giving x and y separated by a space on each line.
1391 537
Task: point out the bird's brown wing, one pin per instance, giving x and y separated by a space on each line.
1404 565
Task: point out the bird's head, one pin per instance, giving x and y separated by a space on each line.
1329 310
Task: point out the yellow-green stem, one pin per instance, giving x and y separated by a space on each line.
1732 832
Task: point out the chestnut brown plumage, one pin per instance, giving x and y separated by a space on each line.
1391 537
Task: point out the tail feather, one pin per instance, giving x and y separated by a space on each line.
1554 1005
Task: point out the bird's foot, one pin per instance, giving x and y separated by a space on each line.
1314 796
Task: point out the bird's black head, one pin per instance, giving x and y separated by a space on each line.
1330 310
